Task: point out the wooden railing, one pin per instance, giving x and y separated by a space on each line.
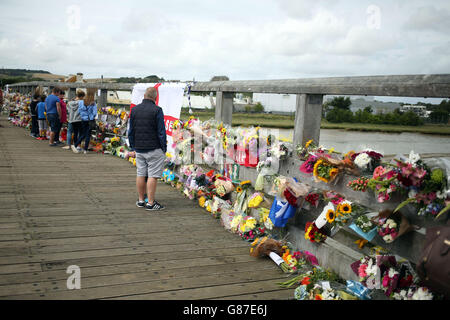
309 92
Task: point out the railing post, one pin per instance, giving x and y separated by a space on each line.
103 98
71 94
308 117
224 107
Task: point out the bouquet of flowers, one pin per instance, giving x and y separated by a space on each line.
313 233
262 247
367 160
303 152
313 199
359 184
413 293
324 171
392 225
427 187
366 227
383 183
308 165
367 270
389 281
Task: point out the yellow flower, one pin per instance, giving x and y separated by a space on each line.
316 172
331 215
308 143
361 243
245 182
255 242
331 150
333 172
344 208
201 201
238 189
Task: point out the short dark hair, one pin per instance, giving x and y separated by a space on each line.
56 90
43 97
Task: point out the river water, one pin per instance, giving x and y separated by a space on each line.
385 143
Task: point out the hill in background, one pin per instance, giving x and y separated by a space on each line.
10 76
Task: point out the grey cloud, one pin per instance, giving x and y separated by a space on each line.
429 18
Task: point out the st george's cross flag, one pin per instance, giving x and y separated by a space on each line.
170 99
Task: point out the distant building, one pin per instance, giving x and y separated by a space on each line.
283 103
421 111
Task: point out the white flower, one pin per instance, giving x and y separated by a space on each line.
371 268
422 294
441 194
392 273
388 238
362 160
413 157
392 224
412 193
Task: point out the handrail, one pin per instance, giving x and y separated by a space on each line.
425 85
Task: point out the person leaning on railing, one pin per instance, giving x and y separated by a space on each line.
74 121
88 111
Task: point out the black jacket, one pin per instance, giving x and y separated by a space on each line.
33 105
147 130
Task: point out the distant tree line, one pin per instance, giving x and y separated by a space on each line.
20 72
148 79
338 111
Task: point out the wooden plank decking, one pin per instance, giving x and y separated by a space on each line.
59 209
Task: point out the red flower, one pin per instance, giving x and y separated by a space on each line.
305 281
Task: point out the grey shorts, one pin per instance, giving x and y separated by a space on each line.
150 164
42 124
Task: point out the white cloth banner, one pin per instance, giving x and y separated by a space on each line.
170 99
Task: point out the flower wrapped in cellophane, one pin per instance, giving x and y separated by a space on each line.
392 225
262 247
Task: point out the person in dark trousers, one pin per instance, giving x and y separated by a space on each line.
74 121
34 116
88 111
53 112
147 138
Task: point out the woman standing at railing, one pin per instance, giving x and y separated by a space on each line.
88 111
74 121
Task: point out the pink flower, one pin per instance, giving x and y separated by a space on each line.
407 169
379 171
362 270
312 258
386 281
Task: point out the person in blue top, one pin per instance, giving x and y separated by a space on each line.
88 111
42 121
53 110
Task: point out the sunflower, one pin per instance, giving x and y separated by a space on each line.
331 215
333 172
238 189
316 171
344 208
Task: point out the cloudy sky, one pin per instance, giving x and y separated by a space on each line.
243 39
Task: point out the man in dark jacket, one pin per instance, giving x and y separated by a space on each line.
147 137
34 116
